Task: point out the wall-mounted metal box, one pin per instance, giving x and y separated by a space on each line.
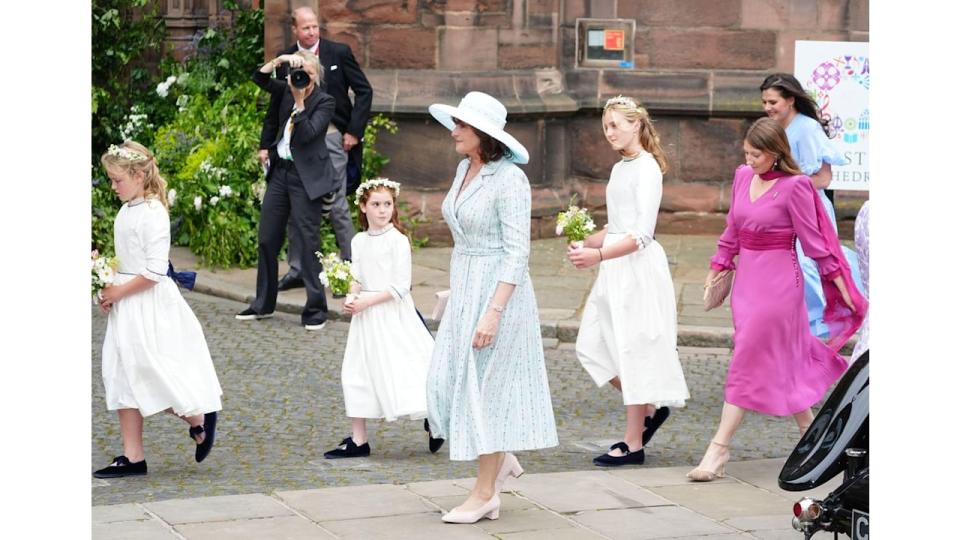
605 43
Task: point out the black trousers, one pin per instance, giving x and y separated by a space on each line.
286 199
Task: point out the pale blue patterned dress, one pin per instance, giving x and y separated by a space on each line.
495 399
810 148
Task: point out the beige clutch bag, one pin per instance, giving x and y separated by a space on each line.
441 304
715 292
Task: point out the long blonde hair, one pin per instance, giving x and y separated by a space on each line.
131 157
649 138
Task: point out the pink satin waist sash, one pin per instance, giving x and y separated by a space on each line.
767 240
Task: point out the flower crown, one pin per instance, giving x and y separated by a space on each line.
377 182
126 153
621 100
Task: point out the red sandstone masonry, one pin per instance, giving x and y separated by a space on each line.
527 57
369 11
712 148
786 45
712 49
694 197
472 49
779 14
722 13
543 7
574 9
833 15
403 48
351 36
858 14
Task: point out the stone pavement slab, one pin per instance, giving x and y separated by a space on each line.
354 502
119 512
572 533
405 527
550 506
724 501
528 519
593 490
287 527
646 523
223 508
125 530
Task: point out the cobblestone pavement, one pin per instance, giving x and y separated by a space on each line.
283 407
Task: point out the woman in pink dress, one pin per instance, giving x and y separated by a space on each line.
778 366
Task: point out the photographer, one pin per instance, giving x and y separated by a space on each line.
300 175
344 78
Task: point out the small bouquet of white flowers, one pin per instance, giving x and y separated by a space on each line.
102 271
337 273
575 223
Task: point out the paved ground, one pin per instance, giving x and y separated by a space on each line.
641 503
283 408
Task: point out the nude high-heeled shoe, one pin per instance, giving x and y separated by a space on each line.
706 475
490 510
510 467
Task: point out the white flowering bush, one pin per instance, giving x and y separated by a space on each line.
135 123
575 223
337 274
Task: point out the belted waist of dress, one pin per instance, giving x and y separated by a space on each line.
624 232
767 240
478 252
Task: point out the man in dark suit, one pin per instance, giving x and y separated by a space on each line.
300 175
342 73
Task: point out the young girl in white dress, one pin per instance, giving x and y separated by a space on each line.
628 335
389 347
155 357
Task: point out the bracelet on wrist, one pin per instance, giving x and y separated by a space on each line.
497 308
600 251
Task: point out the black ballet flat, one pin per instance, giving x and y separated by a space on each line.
121 467
435 442
209 429
652 423
628 457
348 449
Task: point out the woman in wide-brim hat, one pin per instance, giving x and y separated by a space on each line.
487 390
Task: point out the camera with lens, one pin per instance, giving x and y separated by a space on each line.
299 78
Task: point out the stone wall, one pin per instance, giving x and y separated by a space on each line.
698 66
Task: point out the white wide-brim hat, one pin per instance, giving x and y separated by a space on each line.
484 113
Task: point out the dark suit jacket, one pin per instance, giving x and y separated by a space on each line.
341 73
308 145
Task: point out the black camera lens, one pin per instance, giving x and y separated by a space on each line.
299 78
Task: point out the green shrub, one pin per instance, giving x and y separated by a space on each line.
208 156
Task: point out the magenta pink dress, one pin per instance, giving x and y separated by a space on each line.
778 366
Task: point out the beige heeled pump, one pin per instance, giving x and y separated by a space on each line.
510 467
706 475
490 510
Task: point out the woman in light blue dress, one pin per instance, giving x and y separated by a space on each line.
487 391
785 101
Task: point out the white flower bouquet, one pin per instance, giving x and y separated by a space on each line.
337 274
575 223
102 272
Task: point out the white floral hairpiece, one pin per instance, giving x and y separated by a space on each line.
377 182
126 153
621 100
